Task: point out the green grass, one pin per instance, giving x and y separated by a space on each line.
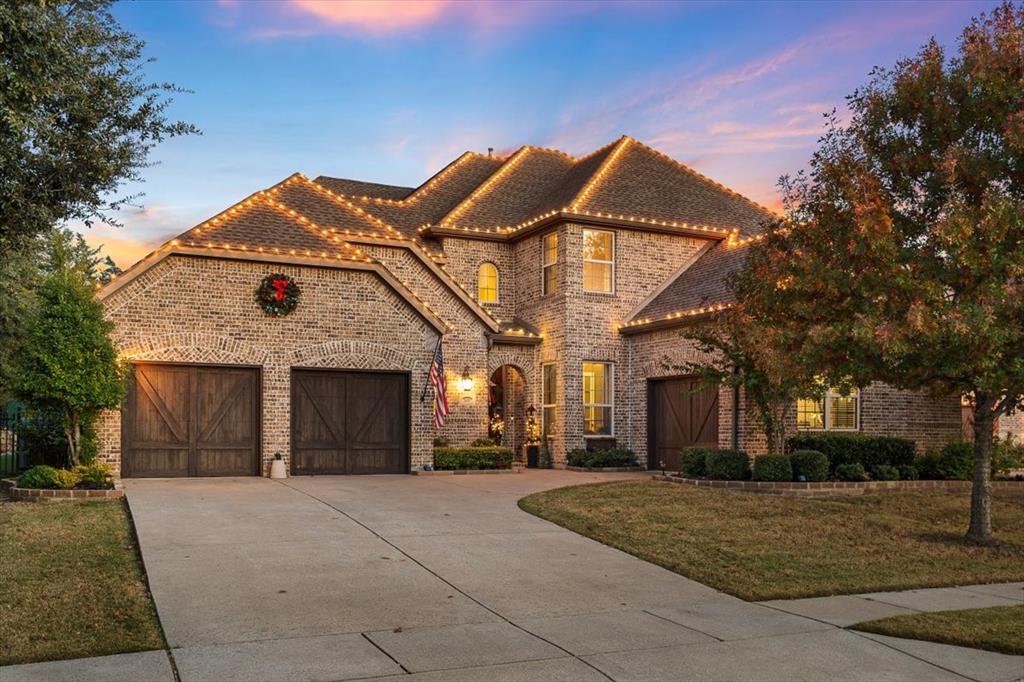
772 547
999 628
71 583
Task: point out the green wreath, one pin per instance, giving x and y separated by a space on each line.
278 294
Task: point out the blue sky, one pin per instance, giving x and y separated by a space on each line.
391 91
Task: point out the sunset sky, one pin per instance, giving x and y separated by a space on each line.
391 91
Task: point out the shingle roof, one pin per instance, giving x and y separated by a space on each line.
704 283
359 188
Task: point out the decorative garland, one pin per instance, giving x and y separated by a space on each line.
278 294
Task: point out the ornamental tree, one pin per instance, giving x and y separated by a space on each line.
740 355
69 365
901 258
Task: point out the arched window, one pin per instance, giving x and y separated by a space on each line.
487 283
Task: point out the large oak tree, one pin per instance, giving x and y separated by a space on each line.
902 256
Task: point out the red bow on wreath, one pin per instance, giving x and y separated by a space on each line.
279 289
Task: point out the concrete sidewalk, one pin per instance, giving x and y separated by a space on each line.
444 578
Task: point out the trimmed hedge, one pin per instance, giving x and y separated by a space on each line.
597 458
852 471
727 465
885 472
954 462
773 468
908 473
692 462
810 464
856 448
41 476
488 457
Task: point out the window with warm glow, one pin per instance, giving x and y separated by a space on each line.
549 283
597 399
599 261
548 399
487 283
835 411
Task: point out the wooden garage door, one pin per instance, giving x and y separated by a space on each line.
350 422
681 412
191 420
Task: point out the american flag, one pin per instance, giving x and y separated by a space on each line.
440 384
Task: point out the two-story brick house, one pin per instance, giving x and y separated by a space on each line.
555 283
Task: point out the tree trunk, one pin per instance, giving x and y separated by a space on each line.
980 530
73 432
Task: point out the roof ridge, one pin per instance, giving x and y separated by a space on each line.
510 162
343 200
602 170
703 178
425 186
305 222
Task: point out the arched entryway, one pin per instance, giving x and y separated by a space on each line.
508 407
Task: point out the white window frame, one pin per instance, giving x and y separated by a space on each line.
826 416
610 382
544 266
601 262
497 284
544 426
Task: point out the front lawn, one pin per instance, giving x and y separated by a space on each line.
71 583
772 547
999 628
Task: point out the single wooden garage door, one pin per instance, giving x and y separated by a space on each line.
350 422
191 420
681 412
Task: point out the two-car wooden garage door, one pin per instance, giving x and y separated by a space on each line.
203 420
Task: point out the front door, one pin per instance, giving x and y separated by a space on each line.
681 412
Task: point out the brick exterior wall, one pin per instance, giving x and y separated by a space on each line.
928 421
170 314
1012 425
463 258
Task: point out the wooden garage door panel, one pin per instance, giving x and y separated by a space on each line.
681 413
349 422
190 420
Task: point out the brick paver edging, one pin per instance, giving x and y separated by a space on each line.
606 469
832 488
47 495
463 472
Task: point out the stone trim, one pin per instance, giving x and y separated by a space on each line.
834 488
48 495
611 469
464 472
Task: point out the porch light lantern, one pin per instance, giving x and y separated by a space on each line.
466 381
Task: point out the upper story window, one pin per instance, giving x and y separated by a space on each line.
487 283
597 398
548 400
549 247
834 411
599 261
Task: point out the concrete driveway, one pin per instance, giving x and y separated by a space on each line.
444 578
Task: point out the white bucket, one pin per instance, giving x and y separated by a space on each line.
277 469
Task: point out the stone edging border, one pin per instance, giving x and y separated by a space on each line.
832 488
48 495
464 472
608 469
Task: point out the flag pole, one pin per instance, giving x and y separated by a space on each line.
433 357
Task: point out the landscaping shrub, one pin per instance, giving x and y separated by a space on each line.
810 464
849 448
440 442
908 472
64 479
954 462
491 457
96 476
1007 456
41 437
484 442
727 465
692 462
853 471
41 476
773 468
885 472
610 457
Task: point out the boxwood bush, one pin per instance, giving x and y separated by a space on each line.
773 468
727 465
692 462
852 471
810 464
856 448
954 462
489 457
41 476
885 472
597 458
908 472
